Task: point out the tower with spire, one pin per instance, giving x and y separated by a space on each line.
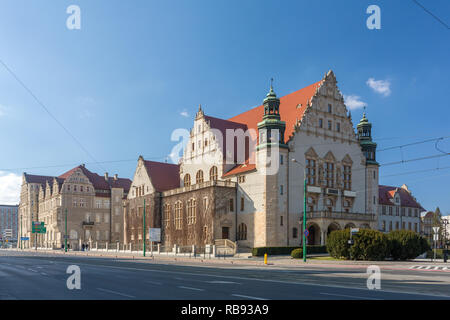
369 148
272 156
271 128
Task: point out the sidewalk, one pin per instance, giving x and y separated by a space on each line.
277 261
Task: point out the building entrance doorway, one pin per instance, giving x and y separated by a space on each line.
225 232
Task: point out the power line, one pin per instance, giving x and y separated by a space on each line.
431 14
49 113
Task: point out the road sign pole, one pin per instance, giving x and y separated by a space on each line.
304 216
143 228
65 236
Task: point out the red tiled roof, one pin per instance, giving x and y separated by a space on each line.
164 176
99 182
292 108
30 178
240 168
288 110
386 193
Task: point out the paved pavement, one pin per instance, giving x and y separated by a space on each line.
30 275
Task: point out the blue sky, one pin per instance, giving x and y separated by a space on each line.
124 81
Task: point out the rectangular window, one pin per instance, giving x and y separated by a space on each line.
281 189
338 127
329 125
242 203
320 123
347 177
281 220
330 108
311 172
281 159
383 210
231 205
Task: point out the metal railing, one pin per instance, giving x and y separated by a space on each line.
340 215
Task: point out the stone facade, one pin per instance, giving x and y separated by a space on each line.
91 204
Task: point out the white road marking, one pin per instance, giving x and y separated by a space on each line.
436 268
152 282
190 288
428 267
347 296
248 297
115 292
253 279
223 282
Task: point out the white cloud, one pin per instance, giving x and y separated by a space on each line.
184 114
380 86
10 188
354 102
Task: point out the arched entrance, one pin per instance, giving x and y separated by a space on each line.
333 227
349 225
314 234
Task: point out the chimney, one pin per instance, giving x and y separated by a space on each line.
106 176
116 177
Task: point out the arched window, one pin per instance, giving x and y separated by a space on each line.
242 232
199 176
213 173
178 215
166 217
191 211
187 180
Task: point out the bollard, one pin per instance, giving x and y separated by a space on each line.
265 258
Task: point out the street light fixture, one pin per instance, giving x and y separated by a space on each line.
304 209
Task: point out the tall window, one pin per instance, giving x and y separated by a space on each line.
199 176
347 178
242 203
231 203
311 171
166 218
178 215
329 174
213 173
187 180
320 123
191 211
242 232
294 233
329 108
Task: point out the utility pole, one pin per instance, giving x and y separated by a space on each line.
65 235
304 209
143 228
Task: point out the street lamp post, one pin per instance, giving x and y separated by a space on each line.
304 209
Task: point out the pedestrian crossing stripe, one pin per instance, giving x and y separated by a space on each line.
440 268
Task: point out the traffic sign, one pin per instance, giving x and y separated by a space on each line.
24 238
38 227
306 233
354 230
155 234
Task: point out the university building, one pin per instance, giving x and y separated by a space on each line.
8 222
398 210
242 178
87 205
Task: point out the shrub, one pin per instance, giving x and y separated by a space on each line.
439 254
260 251
369 245
406 244
337 244
297 253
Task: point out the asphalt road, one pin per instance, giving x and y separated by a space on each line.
25 275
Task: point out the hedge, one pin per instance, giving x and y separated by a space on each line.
260 251
375 245
439 254
297 253
405 244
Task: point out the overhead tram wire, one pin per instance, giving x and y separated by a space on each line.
50 114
